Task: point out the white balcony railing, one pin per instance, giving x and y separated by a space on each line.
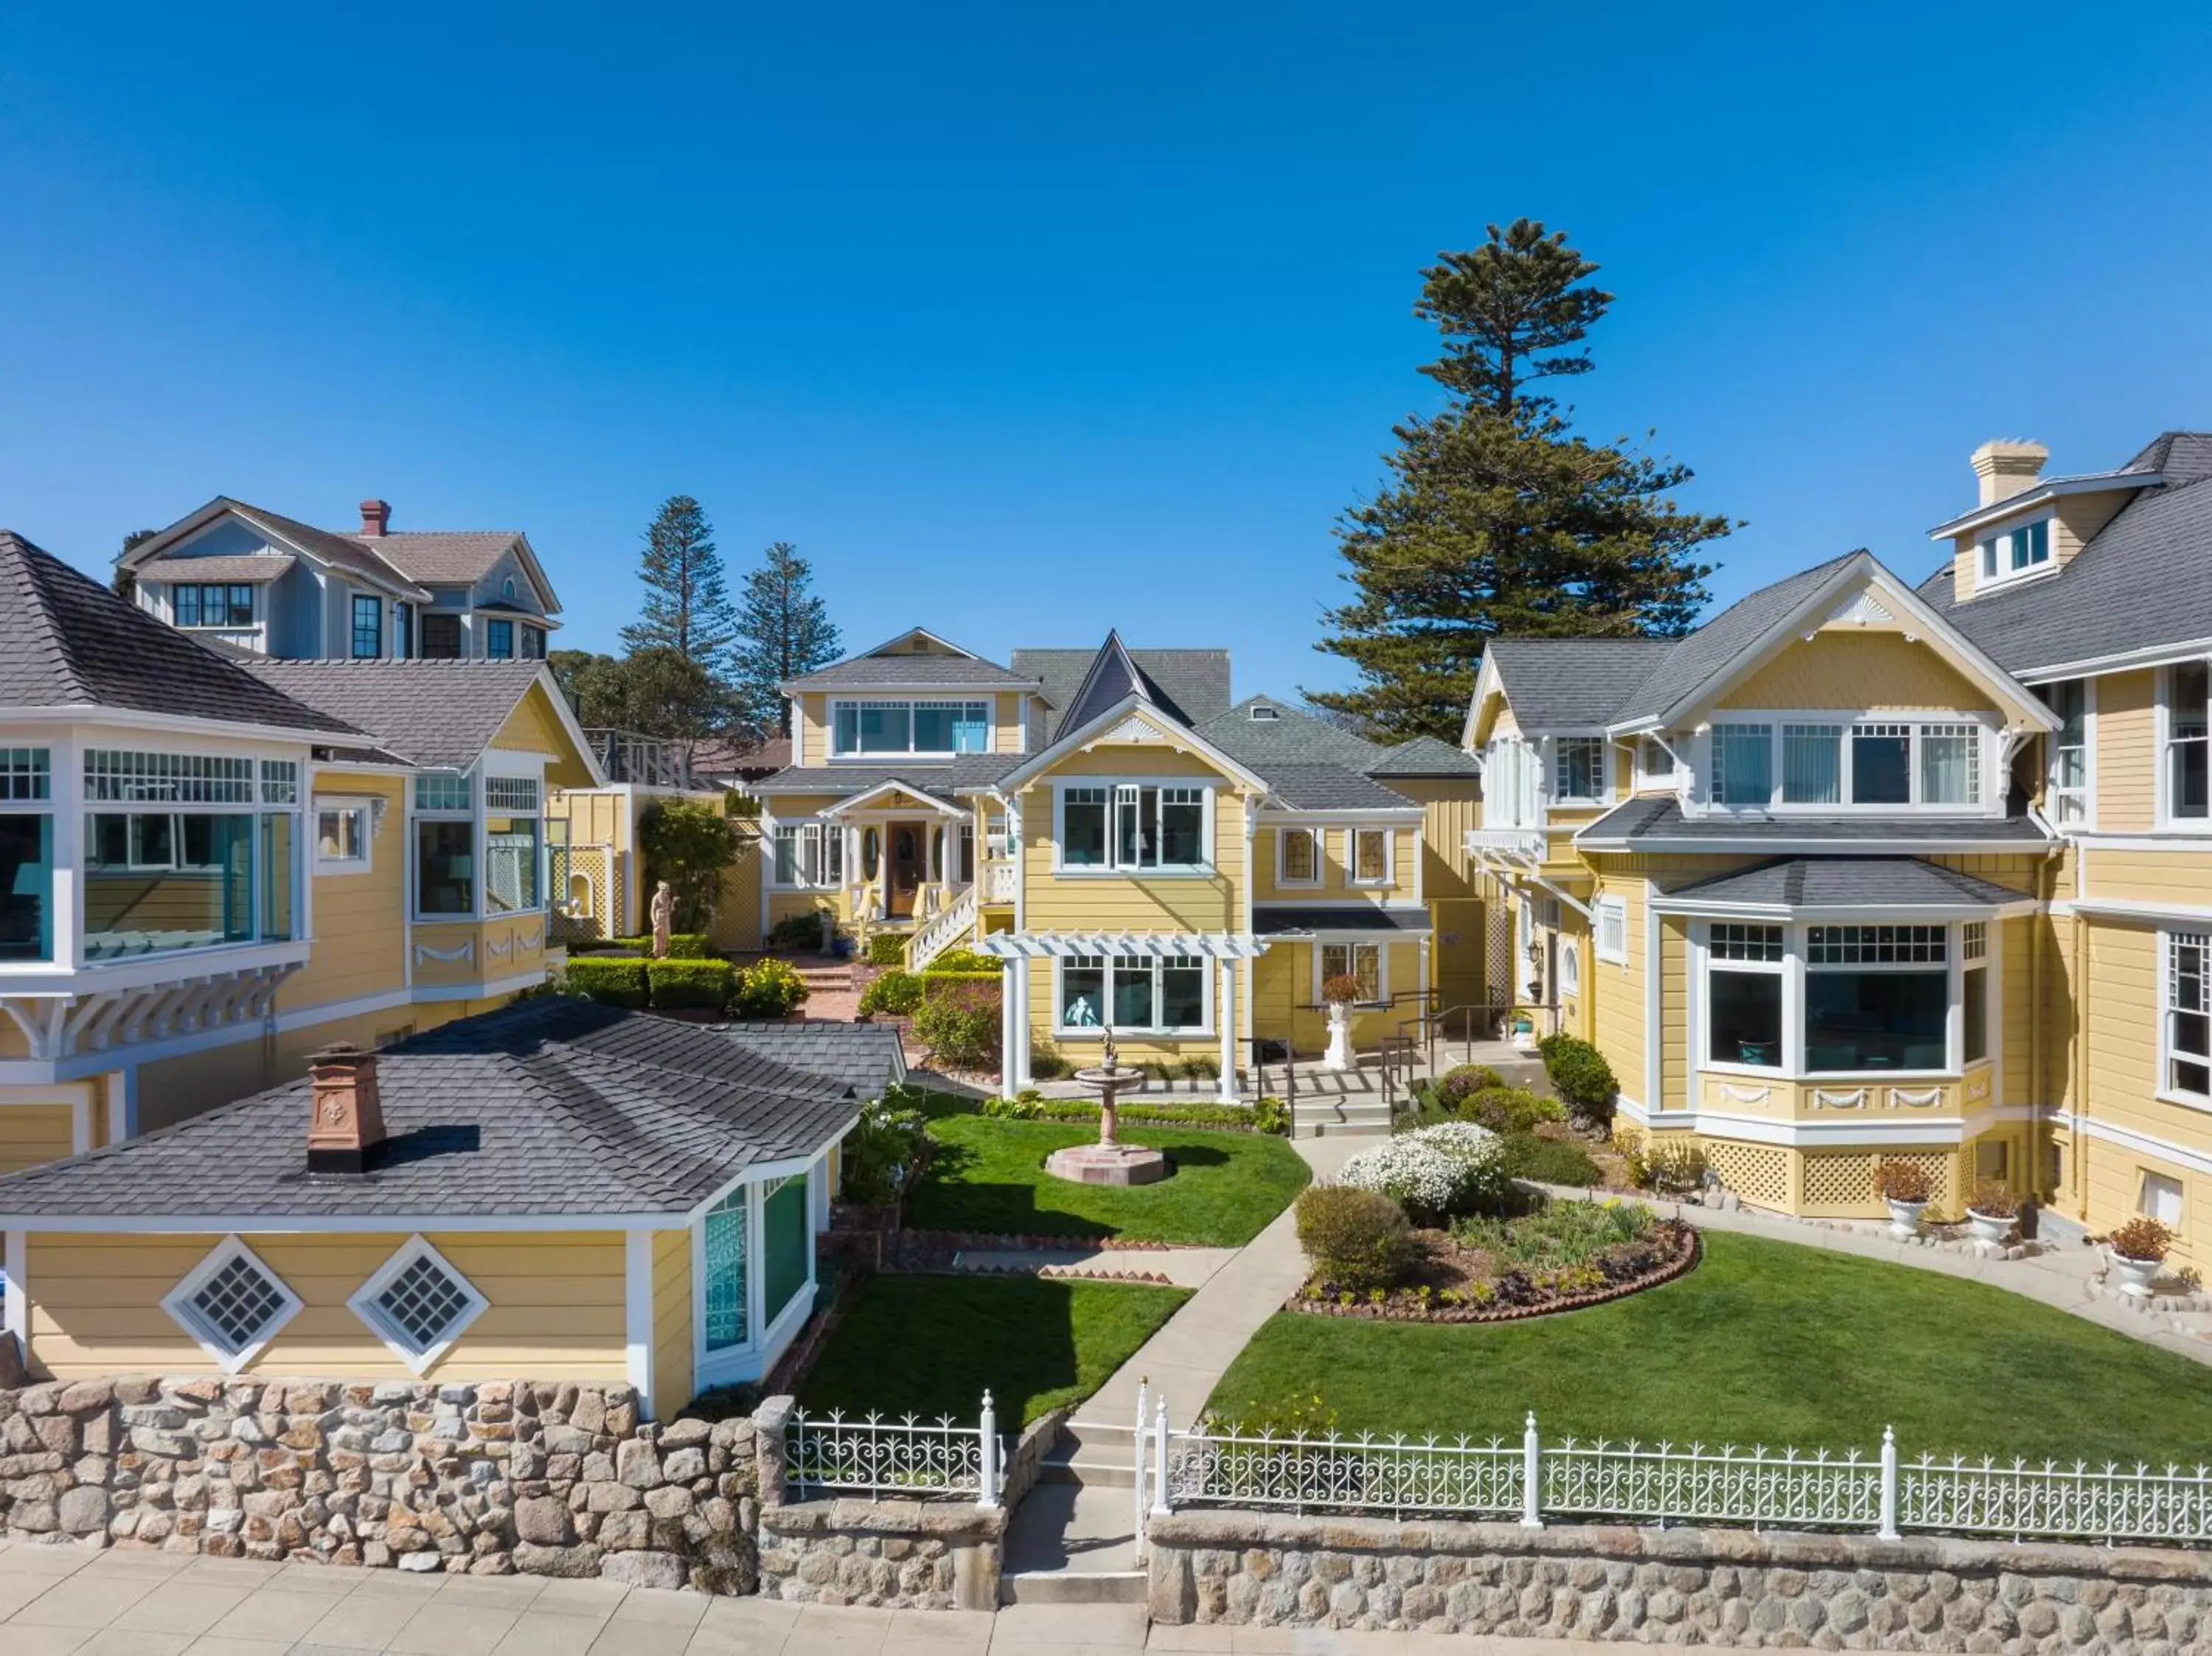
999 881
1512 841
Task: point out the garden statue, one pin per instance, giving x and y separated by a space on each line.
664 916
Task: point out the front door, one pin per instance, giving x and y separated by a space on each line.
906 866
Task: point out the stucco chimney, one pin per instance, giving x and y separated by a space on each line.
2005 467
374 515
347 1119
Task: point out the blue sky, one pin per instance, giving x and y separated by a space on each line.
1025 321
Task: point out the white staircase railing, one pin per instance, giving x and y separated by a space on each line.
956 920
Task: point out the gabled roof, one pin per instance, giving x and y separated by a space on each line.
1424 756
1696 659
454 557
2142 584
1558 683
1847 882
885 666
70 642
1191 685
1113 679
438 714
338 551
865 1057
548 1107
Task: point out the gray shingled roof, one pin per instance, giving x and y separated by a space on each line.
1424 756
2143 581
549 1108
1848 883
1556 683
864 1057
1719 643
940 781
70 642
244 567
441 557
1332 787
1279 922
441 714
1192 684
899 669
1292 737
1658 818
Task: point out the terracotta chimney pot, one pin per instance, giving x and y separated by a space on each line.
347 1120
376 516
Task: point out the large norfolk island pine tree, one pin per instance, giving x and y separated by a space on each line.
783 630
687 599
1498 519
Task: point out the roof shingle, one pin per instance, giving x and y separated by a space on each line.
440 714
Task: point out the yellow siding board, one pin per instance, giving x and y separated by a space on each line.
1851 667
31 1133
2126 752
673 1380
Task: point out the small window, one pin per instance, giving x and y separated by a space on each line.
1570 966
2160 1199
232 1304
1263 714
443 792
1362 961
1370 855
1612 931
417 1304
499 640
342 835
368 627
441 638
1301 850
1579 768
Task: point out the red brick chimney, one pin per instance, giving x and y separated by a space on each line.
374 516
348 1118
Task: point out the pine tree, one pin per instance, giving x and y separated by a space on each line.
687 601
125 581
783 630
1498 519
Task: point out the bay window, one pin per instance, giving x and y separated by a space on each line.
512 836
2187 1021
1877 998
1579 768
1133 826
2188 688
26 856
1867 761
1743 995
1974 986
1163 995
938 728
726 1278
1361 961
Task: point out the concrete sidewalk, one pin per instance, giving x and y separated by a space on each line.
73 1601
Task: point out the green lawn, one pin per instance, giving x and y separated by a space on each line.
930 1345
1764 1342
988 1175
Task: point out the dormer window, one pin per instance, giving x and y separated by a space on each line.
1262 714
2016 552
1867 761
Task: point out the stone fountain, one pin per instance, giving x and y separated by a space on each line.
1108 1161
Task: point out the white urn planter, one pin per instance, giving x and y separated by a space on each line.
2134 1276
1338 1055
1995 1229
1905 1219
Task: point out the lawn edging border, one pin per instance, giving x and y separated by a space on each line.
1686 1256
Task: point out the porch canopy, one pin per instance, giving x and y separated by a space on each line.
1801 886
1121 945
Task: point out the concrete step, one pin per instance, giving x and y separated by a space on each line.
1090 1474
1073 1587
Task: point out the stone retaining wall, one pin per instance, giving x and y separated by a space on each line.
1711 1587
549 1479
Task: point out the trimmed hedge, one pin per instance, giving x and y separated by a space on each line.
673 983
617 981
682 945
896 992
935 984
1580 1076
966 963
887 948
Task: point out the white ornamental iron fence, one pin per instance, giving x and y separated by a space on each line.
1666 1483
912 1459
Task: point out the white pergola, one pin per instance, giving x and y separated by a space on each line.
1018 949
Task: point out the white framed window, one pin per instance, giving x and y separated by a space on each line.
1512 784
2185 1020
417 1304
1974 988
1611 929
1816 763
2159 1197
1133 827
2187 735
1368 962
2025 551
811 856
1877 999
344 833
2066 780
1578 769
1370 855
920 728
1169 994
1570 966
1297 856
232 1304
1746 984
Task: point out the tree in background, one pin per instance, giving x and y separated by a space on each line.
687 601
654 691
783 630
1498 519
125 581
688 843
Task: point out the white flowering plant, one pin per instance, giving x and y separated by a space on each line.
1436 1173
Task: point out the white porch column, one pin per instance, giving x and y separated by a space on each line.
1009 1052
1228 1031
1021 1066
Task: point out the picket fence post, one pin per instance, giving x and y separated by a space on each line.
1160 1507
1888 1530
987 1460
1532 1474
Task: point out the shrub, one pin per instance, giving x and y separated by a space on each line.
682 945
1049 1062
1558 1233
769 989
1340 991
885 1143
1580 1076
1509 1109
1463 1080
959 1025
966 961
1026 1105
797 932
1270 1115
1550 1161
1357 1238
617 981
1993 1199
934 984
689 844
673 983
1675 1166
887 948
895 992
1628 1144
2141 1238
1436 1173
1903 1181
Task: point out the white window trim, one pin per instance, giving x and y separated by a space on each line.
733 1364
2164 1091
176 1303
2162 776
1569 958
877 755
2088 788
1616 909
367 807
1795 966
1551 757
2143 1176
1701 802
820 833
363 1305
2007 575
1208 791
1153 1031
1320 855
1351 877
1381 966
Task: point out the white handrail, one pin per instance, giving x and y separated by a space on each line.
956 920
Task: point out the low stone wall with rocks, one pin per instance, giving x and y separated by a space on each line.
1710 1587
549 1480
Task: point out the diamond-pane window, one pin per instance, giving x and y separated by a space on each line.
232 1304
418 1304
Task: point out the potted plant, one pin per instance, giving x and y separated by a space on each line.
1906 1187
1990 1212
2139 1248
1523 1028
1338 993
